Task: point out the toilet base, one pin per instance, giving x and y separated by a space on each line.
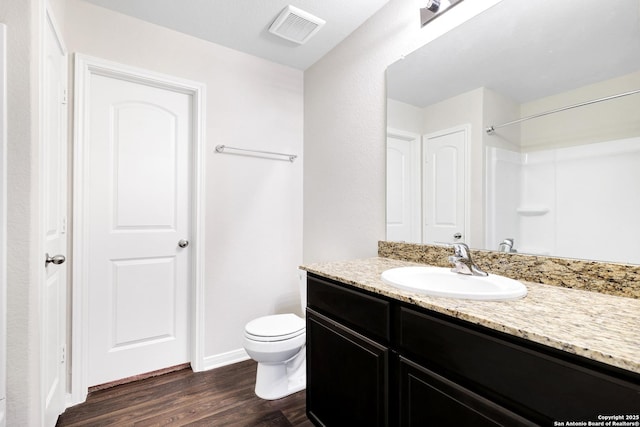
278 380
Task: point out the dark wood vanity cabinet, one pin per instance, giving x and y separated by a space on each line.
374 361
347 356
540 383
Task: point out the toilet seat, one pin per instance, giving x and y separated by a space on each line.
277 327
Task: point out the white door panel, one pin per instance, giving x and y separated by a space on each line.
54 208
139 159
132 280
144 131
444 184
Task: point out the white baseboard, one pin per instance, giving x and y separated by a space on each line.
224 359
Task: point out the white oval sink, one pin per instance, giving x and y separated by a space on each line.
442 282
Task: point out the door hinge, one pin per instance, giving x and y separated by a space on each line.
64 96
63 355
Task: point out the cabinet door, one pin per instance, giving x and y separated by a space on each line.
347 375
427 399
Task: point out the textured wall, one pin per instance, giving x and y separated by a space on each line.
345 128
22 298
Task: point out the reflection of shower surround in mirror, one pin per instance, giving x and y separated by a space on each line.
562 184
554 207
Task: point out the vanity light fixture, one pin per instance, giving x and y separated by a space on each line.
435 8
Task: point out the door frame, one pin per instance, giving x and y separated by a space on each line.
466 128
85 67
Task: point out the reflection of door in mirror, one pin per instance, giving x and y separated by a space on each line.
445 193
403 186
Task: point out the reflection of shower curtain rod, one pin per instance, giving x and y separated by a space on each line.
221 148
491 129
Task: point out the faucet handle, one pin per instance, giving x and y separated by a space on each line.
462 262
461 250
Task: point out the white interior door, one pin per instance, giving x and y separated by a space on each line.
54 224
445 176
403 187
139 154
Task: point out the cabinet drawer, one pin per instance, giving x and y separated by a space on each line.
514 375
359 310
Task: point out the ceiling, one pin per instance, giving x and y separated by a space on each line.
523 50
243 24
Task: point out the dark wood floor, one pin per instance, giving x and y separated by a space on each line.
220 397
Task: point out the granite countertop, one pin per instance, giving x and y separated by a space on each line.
598 326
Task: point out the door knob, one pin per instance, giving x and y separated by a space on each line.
56 259
457 236
183 243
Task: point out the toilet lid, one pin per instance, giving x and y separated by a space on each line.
275 327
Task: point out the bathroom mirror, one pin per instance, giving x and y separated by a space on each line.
565 183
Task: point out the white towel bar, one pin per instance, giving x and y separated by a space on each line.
222 148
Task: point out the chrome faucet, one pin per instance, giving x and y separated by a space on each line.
462 262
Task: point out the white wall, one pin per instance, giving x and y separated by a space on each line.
498 109
253 220
405 117
345 127
3 226
604 121
23 258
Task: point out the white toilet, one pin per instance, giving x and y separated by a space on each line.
277 343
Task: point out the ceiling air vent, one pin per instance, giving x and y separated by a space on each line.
296 25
